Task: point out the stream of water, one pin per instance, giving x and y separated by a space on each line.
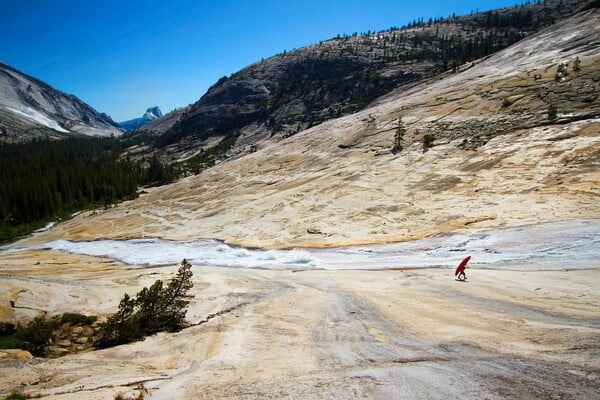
556 245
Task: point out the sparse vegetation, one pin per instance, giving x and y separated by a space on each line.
41 335
154 309
17 396
346 73
208 157
13 340
37 335
74 319
561 72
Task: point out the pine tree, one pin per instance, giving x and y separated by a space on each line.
154 309
121 327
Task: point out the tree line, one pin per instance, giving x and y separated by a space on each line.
44 180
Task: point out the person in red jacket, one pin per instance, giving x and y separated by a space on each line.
460 270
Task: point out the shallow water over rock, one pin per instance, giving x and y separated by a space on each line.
555 245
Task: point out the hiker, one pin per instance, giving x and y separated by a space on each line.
460 270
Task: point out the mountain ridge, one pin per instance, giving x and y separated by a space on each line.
277 97
30 108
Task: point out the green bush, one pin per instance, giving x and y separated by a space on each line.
37 336
74 319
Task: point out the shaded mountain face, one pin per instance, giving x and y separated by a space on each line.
29 109
285 94
150 115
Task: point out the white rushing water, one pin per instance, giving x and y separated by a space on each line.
557 245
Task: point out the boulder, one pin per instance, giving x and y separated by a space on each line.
82 340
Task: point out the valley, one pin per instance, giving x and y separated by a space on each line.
323 262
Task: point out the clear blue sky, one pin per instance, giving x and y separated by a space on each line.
124 56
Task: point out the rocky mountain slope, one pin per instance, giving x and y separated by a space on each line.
30 109
285 94
513 138
511 142
150 115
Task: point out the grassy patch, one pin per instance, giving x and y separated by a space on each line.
74 319
13 341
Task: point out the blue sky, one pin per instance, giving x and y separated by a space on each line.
124 56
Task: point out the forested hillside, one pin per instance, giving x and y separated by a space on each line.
44 180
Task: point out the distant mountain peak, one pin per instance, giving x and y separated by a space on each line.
151 114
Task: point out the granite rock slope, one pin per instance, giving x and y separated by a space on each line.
29 108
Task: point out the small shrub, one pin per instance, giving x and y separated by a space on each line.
577 64
428 140
6 328
37 336
10 338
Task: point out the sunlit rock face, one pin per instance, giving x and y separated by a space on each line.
29 108
283 95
